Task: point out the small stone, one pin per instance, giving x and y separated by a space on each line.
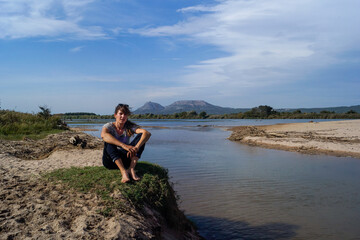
20 220
75 140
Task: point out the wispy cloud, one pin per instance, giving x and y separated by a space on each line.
76 49
267 42
52 19
198 8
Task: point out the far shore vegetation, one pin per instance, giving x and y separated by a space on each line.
16 125
260 112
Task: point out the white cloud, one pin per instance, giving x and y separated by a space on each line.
117 30
76 49
198 8
267 42
47 18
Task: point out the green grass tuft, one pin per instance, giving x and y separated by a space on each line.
153 188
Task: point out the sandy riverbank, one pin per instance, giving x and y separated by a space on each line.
31 208
337 138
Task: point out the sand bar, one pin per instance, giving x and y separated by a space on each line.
337 138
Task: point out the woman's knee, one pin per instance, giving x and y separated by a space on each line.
136 139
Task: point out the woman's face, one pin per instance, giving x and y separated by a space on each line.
121 116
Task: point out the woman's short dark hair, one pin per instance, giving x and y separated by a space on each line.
124 108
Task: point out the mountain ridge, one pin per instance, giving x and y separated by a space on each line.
150 107
201 105
186 106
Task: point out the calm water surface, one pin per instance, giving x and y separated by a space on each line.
234 191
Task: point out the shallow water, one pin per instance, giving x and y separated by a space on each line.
234 191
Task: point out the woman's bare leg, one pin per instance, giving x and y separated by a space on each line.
132 168
124 174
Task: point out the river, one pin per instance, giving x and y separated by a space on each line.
235 191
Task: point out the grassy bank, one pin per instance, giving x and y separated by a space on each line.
17 125
153 189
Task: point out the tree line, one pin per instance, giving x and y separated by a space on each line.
267 112
260 112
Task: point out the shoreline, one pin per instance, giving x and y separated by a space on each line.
336 138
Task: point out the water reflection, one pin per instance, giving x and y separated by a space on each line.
221 228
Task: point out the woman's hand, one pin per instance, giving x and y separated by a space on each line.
132 151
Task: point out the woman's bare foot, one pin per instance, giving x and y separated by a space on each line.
131 170
133 174
125 177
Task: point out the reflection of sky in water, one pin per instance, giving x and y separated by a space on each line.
236 191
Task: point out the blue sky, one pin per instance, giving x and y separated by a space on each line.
89 55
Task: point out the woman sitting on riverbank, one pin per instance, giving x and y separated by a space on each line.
119 153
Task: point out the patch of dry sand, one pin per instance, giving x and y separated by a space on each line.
31 208
338 138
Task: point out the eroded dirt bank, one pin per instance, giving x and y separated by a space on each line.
40 149
31 208
337 138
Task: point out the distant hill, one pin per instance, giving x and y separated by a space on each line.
343 109
149 107
186 106
200 105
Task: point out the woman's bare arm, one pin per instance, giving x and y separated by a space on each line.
144 137
107 137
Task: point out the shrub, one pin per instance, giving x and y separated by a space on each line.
16 125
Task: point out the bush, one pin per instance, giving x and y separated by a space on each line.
16 125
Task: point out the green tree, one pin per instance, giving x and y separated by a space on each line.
45 112
192 114
183 114
262 111
203 115
266 111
